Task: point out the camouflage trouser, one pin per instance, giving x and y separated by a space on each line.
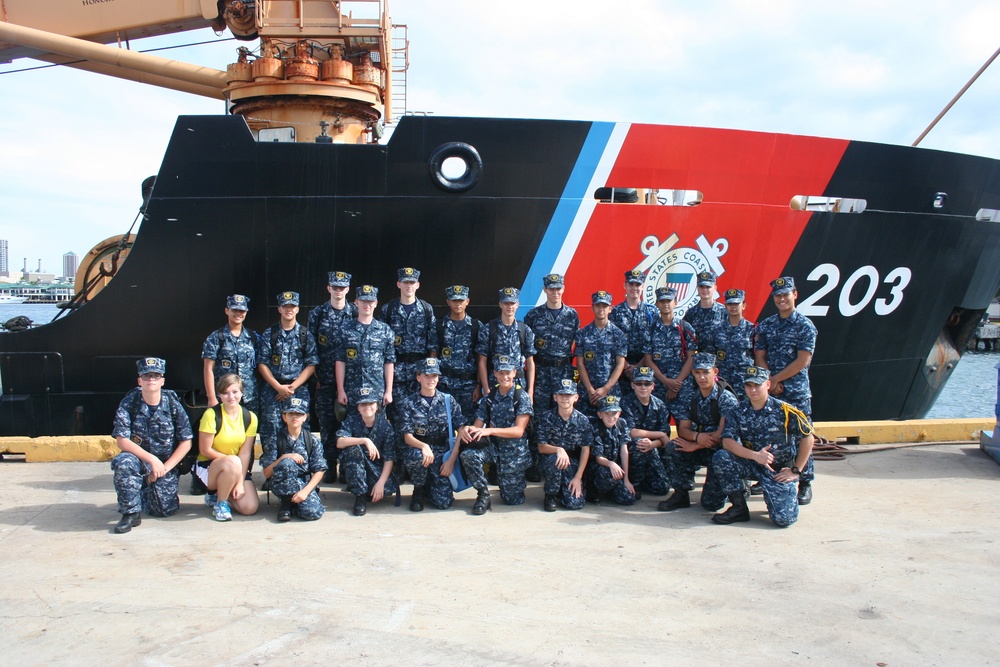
361 473
510 470
680 406
557 481
647 472
602 480
781 497
438 488
682 466
324 401
135 493
287 479
269 418
461 391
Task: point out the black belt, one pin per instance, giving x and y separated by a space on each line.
634 358
565 361
411 357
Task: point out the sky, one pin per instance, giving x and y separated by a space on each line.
75 146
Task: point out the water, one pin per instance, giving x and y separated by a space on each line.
971 391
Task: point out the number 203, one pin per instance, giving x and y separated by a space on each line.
898 279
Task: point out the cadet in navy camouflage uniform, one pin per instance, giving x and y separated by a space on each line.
286 362
601 348
366 442
635 318
785 345
366 355
497 437
609 462
415 327
458 334
672 345
768 440
424 426
503 337
699 437
564 440
649 428
153 433
325 323
734 342
295 464
555 326
707 315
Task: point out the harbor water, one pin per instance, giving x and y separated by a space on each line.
971 391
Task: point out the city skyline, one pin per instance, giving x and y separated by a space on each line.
36 264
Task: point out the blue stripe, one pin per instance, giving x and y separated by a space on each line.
562 219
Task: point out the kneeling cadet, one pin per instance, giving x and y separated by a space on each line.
608 470
365 441
295 464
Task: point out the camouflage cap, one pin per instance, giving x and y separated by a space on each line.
783 285
510 295
733 295
756 375
503 363
300 405
238 302
666 293
565 386
151 365
288 299
553 280
408 274
429 366
366 395
706 279
635 276
609 404
339 279
457 293
367 293
643 374
703 360
600 297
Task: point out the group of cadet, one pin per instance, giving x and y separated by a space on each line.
402 394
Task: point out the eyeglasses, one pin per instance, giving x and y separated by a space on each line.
149 377
643 384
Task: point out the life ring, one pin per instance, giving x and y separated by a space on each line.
468 155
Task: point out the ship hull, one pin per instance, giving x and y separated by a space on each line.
894 291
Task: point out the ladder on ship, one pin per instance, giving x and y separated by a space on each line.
398 66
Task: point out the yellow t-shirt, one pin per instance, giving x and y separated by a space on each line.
232 435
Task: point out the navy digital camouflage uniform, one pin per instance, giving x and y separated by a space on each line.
705 321
365 349
325 323
607 444
598 350
572 435
669 355
555 331
158 430
427 421
646 470
682 464
508 338
636 325
289 477
734 352
781 340
415 335
756 429
235 354
285 360
510 455
360 472
457 355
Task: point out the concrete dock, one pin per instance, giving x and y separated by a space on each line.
895 562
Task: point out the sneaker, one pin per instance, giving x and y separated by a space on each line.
211 499
222 512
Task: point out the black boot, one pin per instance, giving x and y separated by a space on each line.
739 512
285 509
532 474
417 502
805 492
128 522
330 476
197 486
550 503
482 503
360 505
679 499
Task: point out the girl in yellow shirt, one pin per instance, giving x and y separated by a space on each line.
225 452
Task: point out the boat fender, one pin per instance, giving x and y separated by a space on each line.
466 153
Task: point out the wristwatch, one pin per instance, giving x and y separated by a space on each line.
796 470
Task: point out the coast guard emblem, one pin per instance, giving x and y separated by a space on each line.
678 268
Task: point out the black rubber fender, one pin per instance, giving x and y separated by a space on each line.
467 153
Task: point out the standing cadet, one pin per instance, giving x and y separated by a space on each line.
768 440
608 470
555 325
414 325
600 347
785 345
295 464
325 323
734 342
497 437
457 335
365 355
564 440
507 336
635 318
649 427
230 349
428 419
153 433
366 443
286 362
708 315
672 345
699 437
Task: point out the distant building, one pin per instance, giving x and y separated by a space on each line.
4 259
70 264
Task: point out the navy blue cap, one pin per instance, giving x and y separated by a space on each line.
600 297
756 375
704 360
457 293
367 293
553 280
734 295
151 365
635 276
238 302
706 279
339 279
429 366
408 275
293 404
366 395
643 374
609 404
565 386
509 295
668 293
783 285
288 299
